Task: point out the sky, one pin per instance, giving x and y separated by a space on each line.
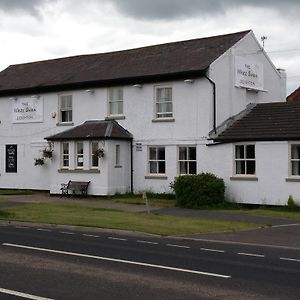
32 30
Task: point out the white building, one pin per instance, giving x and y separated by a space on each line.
157 112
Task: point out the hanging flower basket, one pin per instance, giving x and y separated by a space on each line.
39 161
99 152
47 153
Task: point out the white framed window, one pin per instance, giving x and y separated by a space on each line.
157 160
65 109
94 158
295 159
187 160
163 102
244 159
79 155
65 155
115 101
118 153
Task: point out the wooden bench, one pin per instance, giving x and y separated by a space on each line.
77 187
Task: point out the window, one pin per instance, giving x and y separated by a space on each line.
245 159
65 155
157 162
79 155
163 102
65 108
115 101
117 155
295 160
94 158
187 160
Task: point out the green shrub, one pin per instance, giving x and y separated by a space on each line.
291 203
193 191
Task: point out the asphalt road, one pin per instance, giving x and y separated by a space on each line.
63 263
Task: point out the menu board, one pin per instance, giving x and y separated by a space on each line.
11 158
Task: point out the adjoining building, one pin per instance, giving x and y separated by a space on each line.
152 113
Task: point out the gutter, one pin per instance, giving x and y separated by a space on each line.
214 104
131 166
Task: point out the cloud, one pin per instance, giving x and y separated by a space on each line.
171 9
16 6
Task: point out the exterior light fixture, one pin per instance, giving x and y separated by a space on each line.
13 98
35 96
90 91
137 86
188 80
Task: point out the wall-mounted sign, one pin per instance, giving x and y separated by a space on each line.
27 110
11 159
138 147
248 74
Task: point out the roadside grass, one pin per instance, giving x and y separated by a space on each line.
15 192
152 201
272 212
106 218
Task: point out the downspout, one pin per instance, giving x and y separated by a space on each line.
214 104
131 167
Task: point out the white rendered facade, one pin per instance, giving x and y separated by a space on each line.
188 124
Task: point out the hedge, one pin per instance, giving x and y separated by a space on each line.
194 191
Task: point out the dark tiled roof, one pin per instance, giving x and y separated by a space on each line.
93 130
165 61
294 96
265 122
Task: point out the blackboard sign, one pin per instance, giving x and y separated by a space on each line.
11 158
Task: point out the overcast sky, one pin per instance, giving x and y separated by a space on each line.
33 30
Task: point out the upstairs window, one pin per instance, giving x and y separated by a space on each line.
245 159
157 160
115 101
187 160
295 160
65 108
163 102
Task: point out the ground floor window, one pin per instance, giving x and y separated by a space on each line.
79 155
94 156
157 160
187 161
295 160
244 161
65 154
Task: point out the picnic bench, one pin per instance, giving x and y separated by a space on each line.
76 187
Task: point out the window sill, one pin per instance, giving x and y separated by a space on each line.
293 179
78 171
115 117
65 124
156 177
163 120
244 178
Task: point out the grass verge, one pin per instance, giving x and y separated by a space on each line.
104 218
281 213
15 192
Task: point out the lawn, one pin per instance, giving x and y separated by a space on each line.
15 192
104 218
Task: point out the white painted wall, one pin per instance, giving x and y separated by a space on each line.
272 170
193 120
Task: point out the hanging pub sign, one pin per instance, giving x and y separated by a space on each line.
27 110
248 74
11 159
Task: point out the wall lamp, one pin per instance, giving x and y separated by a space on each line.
90 91
188 80
13 98
137 86
35 96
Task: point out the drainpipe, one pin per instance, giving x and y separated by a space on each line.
131 166
214 104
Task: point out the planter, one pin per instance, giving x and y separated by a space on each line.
39 161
